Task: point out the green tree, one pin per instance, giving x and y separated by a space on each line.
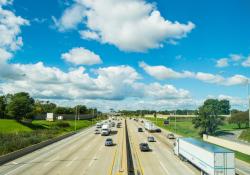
224 107
208 119
20 106
239 118
3 104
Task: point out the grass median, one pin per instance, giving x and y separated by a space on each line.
15 135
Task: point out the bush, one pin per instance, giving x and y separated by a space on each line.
62 124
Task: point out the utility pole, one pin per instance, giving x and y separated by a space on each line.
175 121
248 99
75 118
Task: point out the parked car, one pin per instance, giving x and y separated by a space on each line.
97 131
157 130
151 139
109 142
171 136
140 130
144 147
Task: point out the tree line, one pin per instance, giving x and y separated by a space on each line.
21 105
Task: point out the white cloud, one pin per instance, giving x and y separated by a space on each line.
5 2
4 55
163 72
246 63
223 62
131 25
71 17
10 29
81 56
110 83
235 57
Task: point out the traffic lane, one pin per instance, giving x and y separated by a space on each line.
59 155
242 167
26 161
149 162
85 158
166 158
107 159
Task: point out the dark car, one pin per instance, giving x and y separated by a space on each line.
171 136
158 130
140 130
144 147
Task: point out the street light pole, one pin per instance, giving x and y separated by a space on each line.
75 118
248 98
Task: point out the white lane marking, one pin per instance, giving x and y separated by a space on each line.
242 171
62 142
92 161
165 169
52 160
74 159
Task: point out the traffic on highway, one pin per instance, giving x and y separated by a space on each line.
125 146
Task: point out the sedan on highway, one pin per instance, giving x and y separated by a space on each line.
109 142
171 136
144 147
158 130
151 139
97 131
140 130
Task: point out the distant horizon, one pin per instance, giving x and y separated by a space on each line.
163 54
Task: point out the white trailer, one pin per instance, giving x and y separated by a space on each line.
149 126
211 159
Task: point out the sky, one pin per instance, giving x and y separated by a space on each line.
126 54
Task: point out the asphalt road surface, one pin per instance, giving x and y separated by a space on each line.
81 154
85 154
160 160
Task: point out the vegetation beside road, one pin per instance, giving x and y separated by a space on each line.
245 135
16 135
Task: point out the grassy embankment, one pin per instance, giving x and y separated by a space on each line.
186 129
15 135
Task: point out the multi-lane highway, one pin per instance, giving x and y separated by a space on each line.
160 160
86 154
83 153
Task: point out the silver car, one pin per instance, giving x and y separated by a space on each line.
151 139
109 142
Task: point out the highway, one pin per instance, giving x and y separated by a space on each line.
160 160
83 153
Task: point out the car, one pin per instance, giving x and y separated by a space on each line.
118 125
109 142
158 130
97 131
140 130
144 147
142 121
113 124
151 139
171 136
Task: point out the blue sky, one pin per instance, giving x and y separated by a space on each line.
207 38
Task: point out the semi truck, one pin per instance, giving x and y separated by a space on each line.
105 130
209 158
149 126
